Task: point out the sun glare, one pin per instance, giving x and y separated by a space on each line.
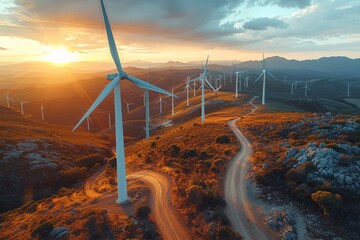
60 56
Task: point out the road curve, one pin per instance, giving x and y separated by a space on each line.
239 210
166 218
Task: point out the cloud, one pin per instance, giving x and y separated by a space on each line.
261 24
286 3
1 48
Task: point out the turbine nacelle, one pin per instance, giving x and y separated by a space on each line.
112 76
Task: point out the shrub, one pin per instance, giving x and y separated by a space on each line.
195 194
91 160
174 151
223 139
153 145
42 231
225 232
188 153
143 212
330 203
112 162
99 226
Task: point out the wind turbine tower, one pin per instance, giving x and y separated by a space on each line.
161 101
22 106
42 110
348 90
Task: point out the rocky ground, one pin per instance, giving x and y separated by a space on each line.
307 170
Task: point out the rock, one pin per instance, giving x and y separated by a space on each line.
63 236
291 152
290 236
56 232
348 180
322 145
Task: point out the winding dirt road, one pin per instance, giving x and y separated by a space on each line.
166 218
239 209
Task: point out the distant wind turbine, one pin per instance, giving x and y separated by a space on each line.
292 87
306 88
42 111
115 85
187 87
237 80
285 79
216 90
128 106
263 74
22 106
8 99
204 81
161 101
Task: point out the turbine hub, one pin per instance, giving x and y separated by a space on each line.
112 76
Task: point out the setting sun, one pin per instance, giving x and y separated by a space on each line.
60 56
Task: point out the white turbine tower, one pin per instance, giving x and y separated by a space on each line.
42 111
88 120
263 74
187 87
246 81
306 89
285 79
204 81
237 81
161 101
348 90
8 99
22 106
115 85
128 106
172 102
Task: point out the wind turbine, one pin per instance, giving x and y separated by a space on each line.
246 81
8 99
306 88
348 90
216 90
42 110
160 102
204 81
128 106
115 85
187 87
292 87
285 79
263 74
22 106
237 79
88 120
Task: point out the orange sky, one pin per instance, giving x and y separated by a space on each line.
179 30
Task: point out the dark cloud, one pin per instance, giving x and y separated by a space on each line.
1 48
286 3
260 24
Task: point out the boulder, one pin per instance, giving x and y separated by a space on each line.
291 152
58 232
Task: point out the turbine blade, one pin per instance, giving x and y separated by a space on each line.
194 80
258 78
112 45
148 86
105 92
271 75
209 84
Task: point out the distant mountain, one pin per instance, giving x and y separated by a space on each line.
330 65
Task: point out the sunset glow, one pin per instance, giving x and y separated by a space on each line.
60 56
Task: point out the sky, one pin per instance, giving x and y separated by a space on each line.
178 30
